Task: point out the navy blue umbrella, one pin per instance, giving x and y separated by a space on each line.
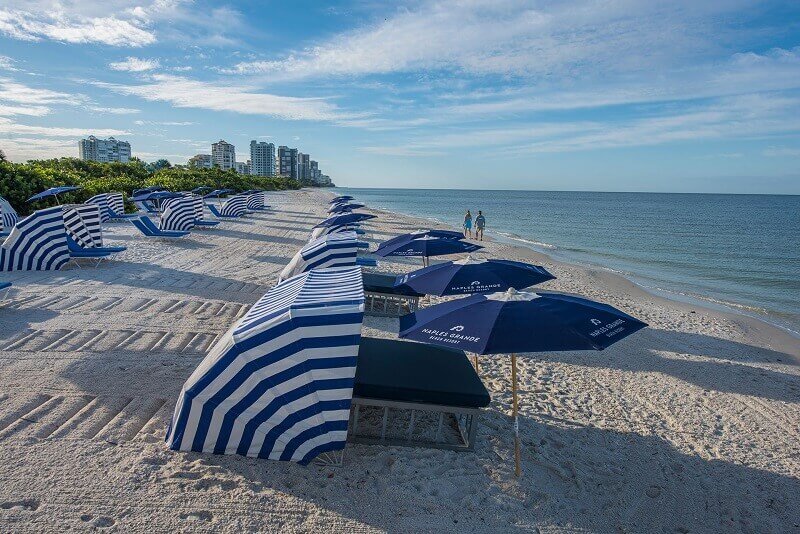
425 247
200 190
217 193
155 195
342 220
472 275
444 234
144 190
53 192
341 198
512 322
340 208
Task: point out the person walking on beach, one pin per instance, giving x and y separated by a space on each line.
480 224
468 224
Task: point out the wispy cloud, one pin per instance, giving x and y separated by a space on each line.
114 111
164 123
65 27
9 127
135 64
188 93
7 63
782 152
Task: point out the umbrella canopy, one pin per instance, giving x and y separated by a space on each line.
347 218
53 192
512 321
144 190
155 195
443 234
202 189
339 208
425 246
341 198
279 383
217 193
472 275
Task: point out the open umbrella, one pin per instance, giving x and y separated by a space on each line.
53 192
144 190
424 247
201 190
512 322
340 208
473 275
341 198
444 234
344 219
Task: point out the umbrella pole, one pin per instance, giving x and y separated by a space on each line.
475 360
517 467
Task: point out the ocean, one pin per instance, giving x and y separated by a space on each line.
740 252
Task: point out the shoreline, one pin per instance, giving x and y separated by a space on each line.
787 336
769 335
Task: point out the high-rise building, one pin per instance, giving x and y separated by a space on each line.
314 172
262 158
242 167
303 166
287 161
201 161
104 150
223 155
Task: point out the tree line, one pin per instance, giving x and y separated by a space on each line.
20 181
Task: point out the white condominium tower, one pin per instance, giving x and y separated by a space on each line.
223 154
104 150
262 159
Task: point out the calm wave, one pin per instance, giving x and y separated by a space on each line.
742 251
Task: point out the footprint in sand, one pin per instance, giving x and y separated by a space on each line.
25 504
200 515
104 522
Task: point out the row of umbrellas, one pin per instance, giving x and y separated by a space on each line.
497 317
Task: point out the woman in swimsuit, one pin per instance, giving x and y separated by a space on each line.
468 224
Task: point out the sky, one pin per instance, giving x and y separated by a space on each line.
628 95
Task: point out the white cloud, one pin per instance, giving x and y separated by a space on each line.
60 26
9 127
12 91
7 63
163 123
187 93
135 64
114 111
570 39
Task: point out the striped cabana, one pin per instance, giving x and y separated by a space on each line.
332 250
82 222
102 202
178 215
8 216
255 201
37 243
279 384
235 206
117 203
198 205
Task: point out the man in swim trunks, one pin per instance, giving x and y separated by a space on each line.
480 224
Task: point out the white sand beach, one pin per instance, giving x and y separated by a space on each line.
691 425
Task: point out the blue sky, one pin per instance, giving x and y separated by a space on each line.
614 95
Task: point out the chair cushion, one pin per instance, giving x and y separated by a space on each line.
404 371
384 283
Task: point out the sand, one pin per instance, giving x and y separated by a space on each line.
691 425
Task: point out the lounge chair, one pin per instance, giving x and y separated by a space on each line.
216 213
149 229
77 252
200 211
434 392
383 299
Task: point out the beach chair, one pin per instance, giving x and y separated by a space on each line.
147 227
116 208
235 206
85 235
36 243
146 206
255 201
199 212
415 395
8 217
382 298
178 215
101 201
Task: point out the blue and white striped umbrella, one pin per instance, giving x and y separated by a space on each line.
8 216
37 243
279 384
179 214
331 250
235 206
344 219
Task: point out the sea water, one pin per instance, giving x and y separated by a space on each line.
738 251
